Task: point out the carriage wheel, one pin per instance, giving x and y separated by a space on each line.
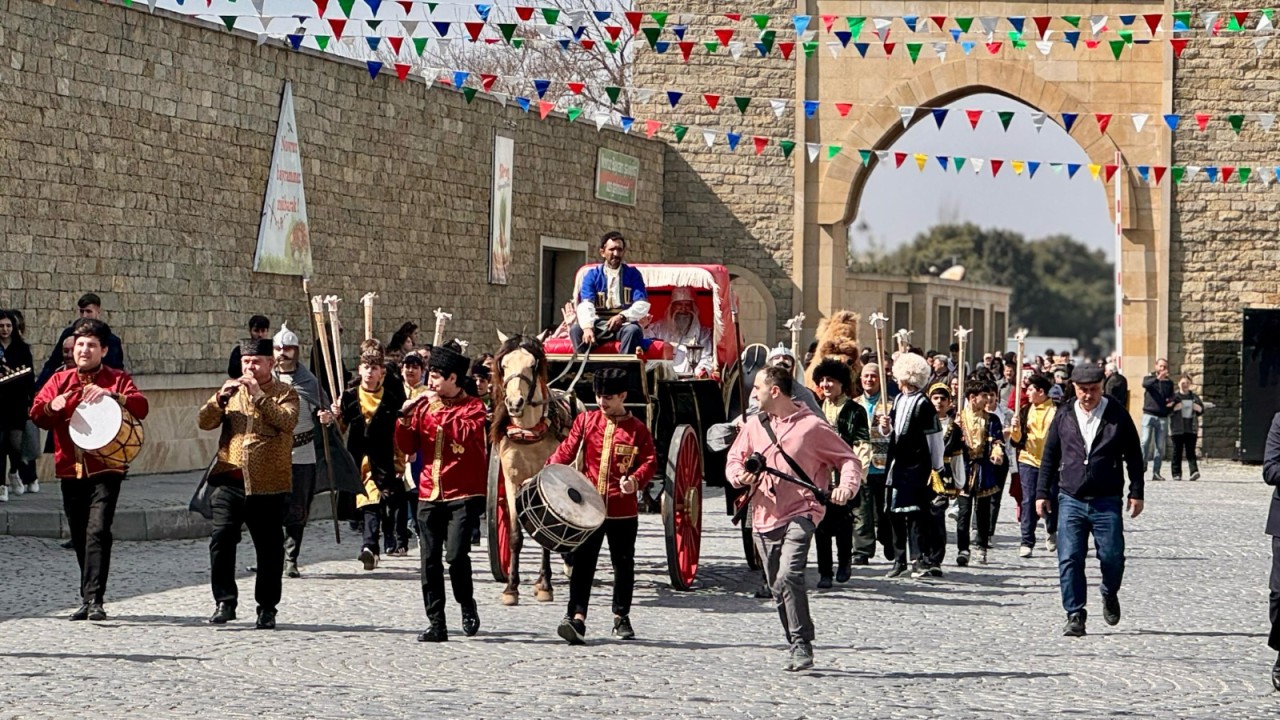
682 507
499 520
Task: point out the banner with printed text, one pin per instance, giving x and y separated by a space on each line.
617 175
500 212
284 238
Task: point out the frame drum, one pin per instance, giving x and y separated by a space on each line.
560 508
106 431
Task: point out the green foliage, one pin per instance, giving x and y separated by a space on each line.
1060 286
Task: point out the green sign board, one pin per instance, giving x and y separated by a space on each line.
617 176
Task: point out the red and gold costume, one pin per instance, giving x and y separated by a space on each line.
69 462
613 447
450 435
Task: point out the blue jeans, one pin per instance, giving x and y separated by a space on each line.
1030 476
1077 519
1154 431
628 336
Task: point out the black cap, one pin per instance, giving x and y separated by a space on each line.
446 361
1087 374
256 346
609 381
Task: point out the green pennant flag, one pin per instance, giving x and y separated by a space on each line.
322 41
809 47
1269 13
1126 36
550 15
913 49
1072 20
958 162
507 30
612 45
469 93
743 103
787 146
1184 18
613 92
419 45
1019 44
865 156
1006 117
680 131
1177 171
1014 36
128 3
517 43
1244 174
573 113
855 24
711 47
229 21
431 7
1233 25
373 24
1236 122
660 18
766 38
964 23
651 34
761 20
346 7
832 151
1116 47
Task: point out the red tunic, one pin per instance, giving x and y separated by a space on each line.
613 448
68 461
450 436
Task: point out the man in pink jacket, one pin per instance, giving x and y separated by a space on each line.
784 515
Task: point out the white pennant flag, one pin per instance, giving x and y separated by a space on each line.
1264 23
1139 120
906 112
547 32
709 136
882 156
430 74
735 49
976 164
1260 42
1209 18
644 95
262 39
601 119
501 98
576 17
1056 168
808 35
813 149
1037 119
1048 35
1268 177
988 25
257 6
1266 120
882 27
940 49
1044 46
779 106
410 27
151 5
1097 23
834 48
1192 170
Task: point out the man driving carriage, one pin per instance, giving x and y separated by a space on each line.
683 330
612 301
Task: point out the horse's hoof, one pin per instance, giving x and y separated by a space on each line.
510 599
544 595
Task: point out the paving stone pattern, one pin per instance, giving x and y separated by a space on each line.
981 642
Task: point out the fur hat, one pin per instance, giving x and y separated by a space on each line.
371 353
609 381
256 346
836 370
447 361
912 370
837 337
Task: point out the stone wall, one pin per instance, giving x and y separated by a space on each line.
1224 244
732 208
134 151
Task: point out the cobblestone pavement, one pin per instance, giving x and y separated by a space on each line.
981 642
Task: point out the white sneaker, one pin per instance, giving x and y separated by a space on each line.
1024 551
15 484
1051 542
4 493
34 487
953 512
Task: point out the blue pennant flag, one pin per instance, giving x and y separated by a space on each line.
1017 21
673 97
373 42
679 31
1212 172
1032 167
442 28
733 139
810 107
627 122
661 46
460 78
844 36
373 6
942 160
1127 19
601 15
1072 169
1179 26
1143 172
1069 119
1278 173
764 50
540 87
955 34
564 43
483 11
801 23
1172 121
862 48
1072 37
967 46
939 115
911 21
578 31
523 102
374 68
295 41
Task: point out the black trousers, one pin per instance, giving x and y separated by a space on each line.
1184 444
90 505
262 514
870 522
621 534
1274 639
913 533
395 519
298 510
449 524
837 524
970 506
371 524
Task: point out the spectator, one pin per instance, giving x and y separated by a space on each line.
15 398
1182 426
1116 386
259 328
1157 404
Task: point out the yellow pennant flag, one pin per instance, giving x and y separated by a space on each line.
1017 166
1093 170
921 160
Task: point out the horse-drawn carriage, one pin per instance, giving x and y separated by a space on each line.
677 407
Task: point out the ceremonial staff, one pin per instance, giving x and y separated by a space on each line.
878 321
340 377
317 332
367 302
442 319
796 325
962 337
1021 337
903 337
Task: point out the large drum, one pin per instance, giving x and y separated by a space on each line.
559 508
105 430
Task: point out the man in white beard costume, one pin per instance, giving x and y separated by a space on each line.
689 338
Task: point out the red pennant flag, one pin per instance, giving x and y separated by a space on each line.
1179 44
995 166
406 4
635 18
1202 120
396 43
651 127
524 13
545 108
492 41
576 87
712 101
1108 171
828 21
474 29
786 48
1104 119
761 143
1159 171
337 26
888 48
1227 170
686 47
1091 44
724 35
938 20
993 48
402 70
487 81
320 6
1042 24
844 108
898 158
1241 16
587 43
1153 21
734 17
614 31
974 117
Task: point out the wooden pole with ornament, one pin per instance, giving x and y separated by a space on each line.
367 303
442 321
878 322
962 338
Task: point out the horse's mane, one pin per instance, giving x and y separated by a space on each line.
497 388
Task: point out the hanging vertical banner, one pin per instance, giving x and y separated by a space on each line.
284 239
617 175
500 211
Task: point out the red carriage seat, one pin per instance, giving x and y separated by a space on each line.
658 350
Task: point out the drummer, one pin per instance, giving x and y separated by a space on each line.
684 331
90 487
620 459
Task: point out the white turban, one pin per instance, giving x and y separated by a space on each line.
286 337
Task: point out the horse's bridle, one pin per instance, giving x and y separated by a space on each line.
531 380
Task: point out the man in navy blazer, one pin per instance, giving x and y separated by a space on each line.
1271 475
1091 445
612 301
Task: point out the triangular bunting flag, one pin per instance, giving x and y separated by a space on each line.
1104 119
1069 119
832 151
709 137
1006 117
1139 121
761 143
813 149
779 107
787 146
939 116
545 108
1037 119
1072 169
651 127
1202 121
974 116
1236 121
906 113
679 131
